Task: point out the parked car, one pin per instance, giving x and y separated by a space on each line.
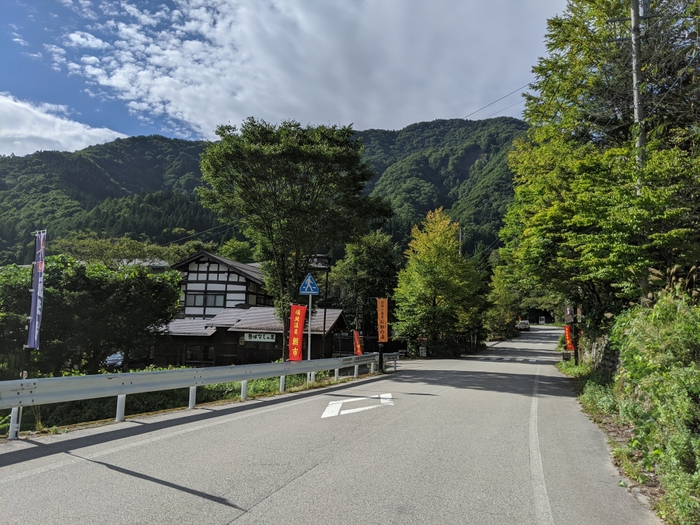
114 361
524 326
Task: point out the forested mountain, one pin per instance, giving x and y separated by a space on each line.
458 164
142 187
138 186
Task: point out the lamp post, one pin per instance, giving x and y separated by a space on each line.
322 262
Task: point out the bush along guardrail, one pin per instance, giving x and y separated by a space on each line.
36 392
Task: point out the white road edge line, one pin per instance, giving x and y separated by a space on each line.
543 510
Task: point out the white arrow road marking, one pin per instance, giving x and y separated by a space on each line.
334 407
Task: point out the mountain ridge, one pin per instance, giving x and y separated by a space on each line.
142 186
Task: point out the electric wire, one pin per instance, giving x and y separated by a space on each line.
199 233
507 107
497 100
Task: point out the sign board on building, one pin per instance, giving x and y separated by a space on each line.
260 338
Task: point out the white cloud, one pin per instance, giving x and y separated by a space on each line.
31 127
377 63
83 39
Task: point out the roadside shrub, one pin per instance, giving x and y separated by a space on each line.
658 390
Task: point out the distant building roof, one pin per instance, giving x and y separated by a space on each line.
192 327
254 273
263 319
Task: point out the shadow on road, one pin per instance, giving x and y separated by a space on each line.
69 444
509 383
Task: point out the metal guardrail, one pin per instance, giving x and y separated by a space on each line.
393 356
27 392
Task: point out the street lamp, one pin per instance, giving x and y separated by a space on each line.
322 262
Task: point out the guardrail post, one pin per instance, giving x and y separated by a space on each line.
396 360
357 371
193 397
244 390
15 421
371 368
282 382
313 377
121 404
337 374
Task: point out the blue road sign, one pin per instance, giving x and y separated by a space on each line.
309 286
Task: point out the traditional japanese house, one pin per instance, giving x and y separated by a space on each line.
245 335
211 283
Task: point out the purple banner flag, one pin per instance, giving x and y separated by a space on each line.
37 291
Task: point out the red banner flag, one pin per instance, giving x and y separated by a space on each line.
567 335
296 332
357 344
383 319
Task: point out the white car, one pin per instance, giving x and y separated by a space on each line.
523 325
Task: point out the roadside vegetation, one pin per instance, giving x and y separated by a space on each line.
653 401
606 224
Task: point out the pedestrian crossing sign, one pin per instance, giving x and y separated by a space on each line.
309 286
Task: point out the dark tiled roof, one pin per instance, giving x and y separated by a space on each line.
263 319
193 327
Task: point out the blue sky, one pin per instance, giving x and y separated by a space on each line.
80 72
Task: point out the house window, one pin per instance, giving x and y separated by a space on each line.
216 300
192 299
210 299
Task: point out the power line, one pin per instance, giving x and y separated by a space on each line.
497 100
199 233
507 107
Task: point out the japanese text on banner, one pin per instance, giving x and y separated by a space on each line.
296 332
383 319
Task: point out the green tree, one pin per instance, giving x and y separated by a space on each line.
292 190
504 305
368 270
90 312
583 87
237 250
436 296
581 226
117 252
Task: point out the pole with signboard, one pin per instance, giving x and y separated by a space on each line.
35 314
310 288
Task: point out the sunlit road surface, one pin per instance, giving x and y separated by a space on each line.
495 438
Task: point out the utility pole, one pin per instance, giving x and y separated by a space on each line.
636 81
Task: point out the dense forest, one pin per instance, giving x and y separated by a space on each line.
142 187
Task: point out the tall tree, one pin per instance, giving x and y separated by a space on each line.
292 190
90 312
583 87
368 270
581 225
436 296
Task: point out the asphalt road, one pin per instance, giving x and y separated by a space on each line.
496 438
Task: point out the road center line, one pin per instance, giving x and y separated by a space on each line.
543 510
